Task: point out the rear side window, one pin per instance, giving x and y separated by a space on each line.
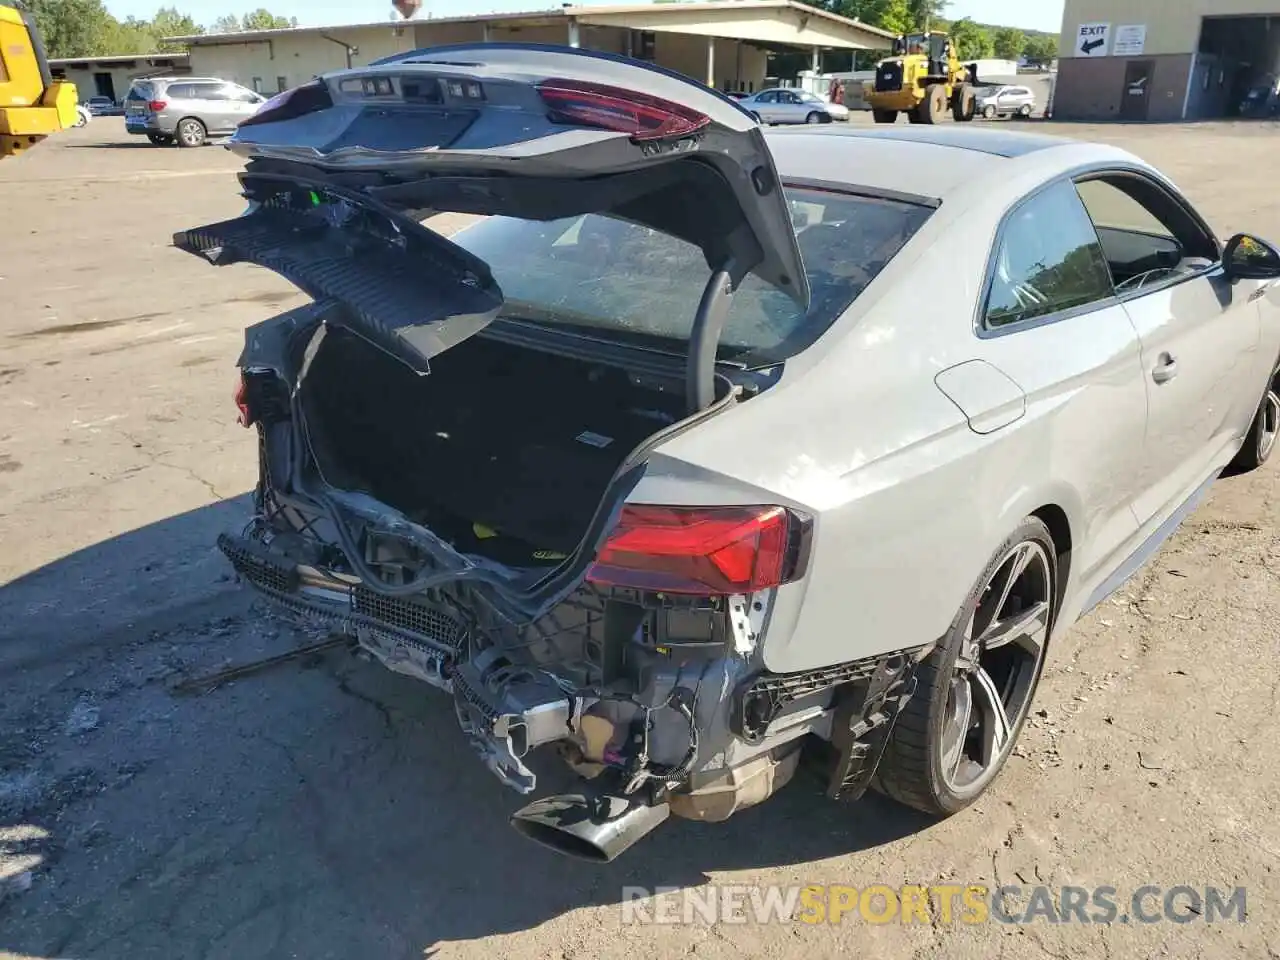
613 277
1047 260
197 91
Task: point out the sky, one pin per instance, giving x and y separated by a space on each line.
1030 14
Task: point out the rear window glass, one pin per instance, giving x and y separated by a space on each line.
615 277
139 91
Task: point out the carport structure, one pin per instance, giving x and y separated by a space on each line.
723 43
765 24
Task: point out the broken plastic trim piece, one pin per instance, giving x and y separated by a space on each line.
408 290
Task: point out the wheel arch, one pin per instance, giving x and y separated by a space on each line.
1059 524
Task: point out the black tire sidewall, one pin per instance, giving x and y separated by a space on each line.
1250 455
944 659
1255 433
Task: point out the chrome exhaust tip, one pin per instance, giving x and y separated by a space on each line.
597 828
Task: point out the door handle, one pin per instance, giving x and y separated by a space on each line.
1166 368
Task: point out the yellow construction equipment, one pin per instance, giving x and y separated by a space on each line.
922 79
32 103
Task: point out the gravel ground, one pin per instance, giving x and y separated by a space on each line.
331 809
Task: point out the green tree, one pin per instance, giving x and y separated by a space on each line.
226 24
263 19
130 36
927 13
970 40
1008 43
892 15
72 28
168 22
1041 48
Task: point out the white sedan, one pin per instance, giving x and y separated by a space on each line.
787 105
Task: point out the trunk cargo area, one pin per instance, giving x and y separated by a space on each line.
503 450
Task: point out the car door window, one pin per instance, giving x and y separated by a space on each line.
768 97
1047 260
209 91
240 94
1149 239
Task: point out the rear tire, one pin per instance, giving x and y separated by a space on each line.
950 742
934 104
962 103
1024 111
191 133
1260 442
884 116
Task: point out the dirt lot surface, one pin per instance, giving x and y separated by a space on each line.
331 809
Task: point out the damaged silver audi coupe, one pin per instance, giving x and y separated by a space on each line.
702 453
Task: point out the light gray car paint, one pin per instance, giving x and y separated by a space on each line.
898 483
987 397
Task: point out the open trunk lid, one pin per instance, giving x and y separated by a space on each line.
341 169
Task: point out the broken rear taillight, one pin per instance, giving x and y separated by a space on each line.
707 551
308 98
642 116
245 416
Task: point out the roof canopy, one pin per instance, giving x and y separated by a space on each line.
762 21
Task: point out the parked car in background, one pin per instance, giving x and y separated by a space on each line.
786 105
1006 101
102 106
1263 99
187 110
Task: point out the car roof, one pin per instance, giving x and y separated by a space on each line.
919 160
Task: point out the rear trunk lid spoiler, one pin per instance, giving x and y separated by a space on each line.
519 130
405 288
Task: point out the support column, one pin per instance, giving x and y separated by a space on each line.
711 62
486 33
574 40
817 60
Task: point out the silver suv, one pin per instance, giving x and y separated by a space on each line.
1008 101
187 109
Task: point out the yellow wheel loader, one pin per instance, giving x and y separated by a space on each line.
923 79
32 103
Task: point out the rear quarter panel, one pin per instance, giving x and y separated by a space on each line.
908 502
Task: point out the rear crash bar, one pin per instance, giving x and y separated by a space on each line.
415 293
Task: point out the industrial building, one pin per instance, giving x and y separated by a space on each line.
723 44
112 76
1164 59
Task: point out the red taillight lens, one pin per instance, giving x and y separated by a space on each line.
708 551
245 417
308 98
626 111
155 106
